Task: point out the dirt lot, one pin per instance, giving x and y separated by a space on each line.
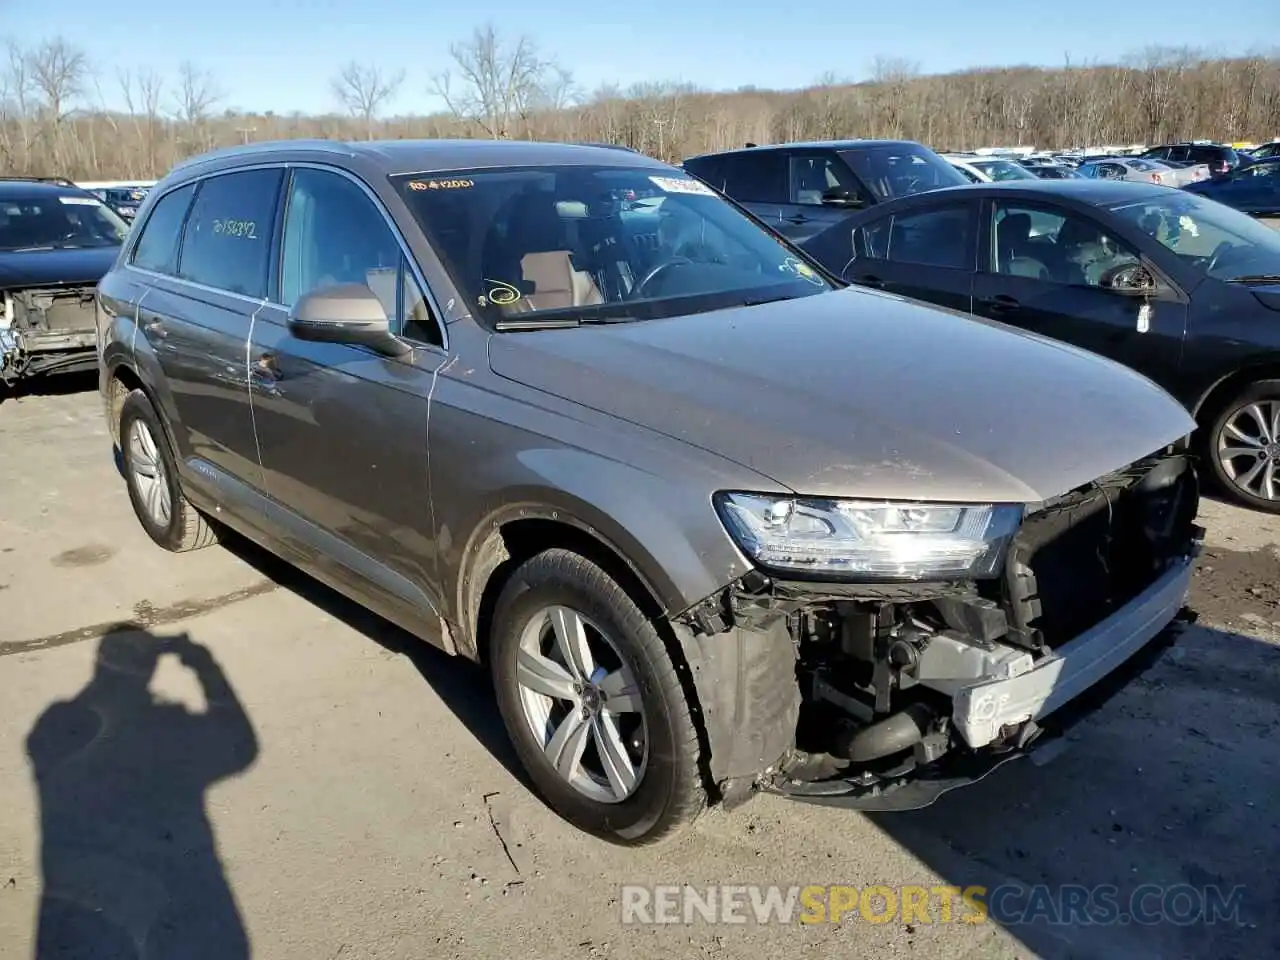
359 801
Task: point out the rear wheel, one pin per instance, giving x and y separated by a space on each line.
1244 447
151 474
592 702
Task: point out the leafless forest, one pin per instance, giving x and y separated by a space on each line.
53 120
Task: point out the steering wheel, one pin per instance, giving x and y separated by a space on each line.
656 271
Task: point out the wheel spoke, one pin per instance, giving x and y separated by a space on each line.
567 744
543 675
1246 480
571 638
621 693
1255 411
1268 480
1230 453
1235 431
618 768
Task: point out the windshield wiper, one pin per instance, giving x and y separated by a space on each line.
1256 278
512 324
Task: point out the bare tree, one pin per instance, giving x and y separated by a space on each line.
494 82
364 90
197 94
58 73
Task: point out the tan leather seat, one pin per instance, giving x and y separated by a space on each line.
556 284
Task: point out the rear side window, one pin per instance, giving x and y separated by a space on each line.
757 177
227 240
157 247
932 238
709 170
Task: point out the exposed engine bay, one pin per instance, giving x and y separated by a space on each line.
46 330
927 686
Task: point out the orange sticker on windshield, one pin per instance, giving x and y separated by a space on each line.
440 184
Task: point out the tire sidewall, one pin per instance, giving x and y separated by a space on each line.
1262 390
137 407
635 816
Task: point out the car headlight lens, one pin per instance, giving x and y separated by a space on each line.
874 539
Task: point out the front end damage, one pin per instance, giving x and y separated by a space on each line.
47 330
883 696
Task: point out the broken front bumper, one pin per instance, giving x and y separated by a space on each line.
980 712
1039 706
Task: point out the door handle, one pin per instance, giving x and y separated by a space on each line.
154 327
1000 303
798 218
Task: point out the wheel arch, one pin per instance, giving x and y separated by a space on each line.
516 532
1214 400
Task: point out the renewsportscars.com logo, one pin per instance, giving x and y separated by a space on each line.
1008 905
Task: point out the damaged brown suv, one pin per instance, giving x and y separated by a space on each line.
714 524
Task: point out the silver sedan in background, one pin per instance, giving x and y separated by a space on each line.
1143 171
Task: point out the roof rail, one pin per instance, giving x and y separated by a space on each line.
61 181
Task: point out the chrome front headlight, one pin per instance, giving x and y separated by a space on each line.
877 540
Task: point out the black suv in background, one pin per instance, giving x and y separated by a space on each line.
1221 159
801 188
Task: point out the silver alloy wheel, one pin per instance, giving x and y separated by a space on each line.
148 471
586 716
1249 449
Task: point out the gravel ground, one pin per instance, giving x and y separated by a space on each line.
320 786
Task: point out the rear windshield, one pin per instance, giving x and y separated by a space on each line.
899 170
58 221
600 242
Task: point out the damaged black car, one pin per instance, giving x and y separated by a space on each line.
56 242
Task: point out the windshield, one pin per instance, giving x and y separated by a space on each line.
59 220
1225 243
599 242
1003 170
898 170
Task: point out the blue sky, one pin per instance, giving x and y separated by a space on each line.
279 54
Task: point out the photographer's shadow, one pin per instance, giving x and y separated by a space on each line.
129 860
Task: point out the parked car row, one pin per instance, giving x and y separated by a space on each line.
716 521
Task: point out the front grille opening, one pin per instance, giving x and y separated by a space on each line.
1092 551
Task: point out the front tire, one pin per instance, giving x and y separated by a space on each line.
151 474
592 702
1243 447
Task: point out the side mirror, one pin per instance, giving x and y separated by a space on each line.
345 313
1130 279
839 197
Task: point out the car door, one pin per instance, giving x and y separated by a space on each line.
925 251
195 318
342 429
1254 190
1040 267
757 179
821 191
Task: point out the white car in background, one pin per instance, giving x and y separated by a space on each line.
988 169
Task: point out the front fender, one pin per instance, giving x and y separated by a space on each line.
667 533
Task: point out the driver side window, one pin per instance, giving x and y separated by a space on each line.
812 176
1053 245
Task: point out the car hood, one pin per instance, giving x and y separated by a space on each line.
858 393
40 268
